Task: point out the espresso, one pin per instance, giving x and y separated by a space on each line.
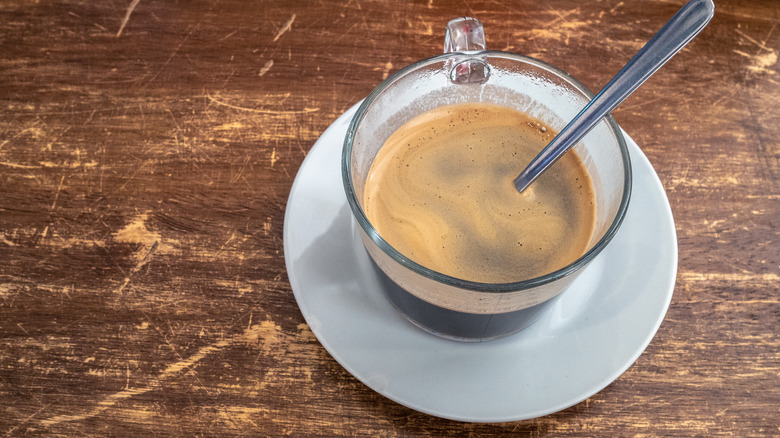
440 191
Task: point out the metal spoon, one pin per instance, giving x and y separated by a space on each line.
675 34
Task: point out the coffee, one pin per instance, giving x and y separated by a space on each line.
440 192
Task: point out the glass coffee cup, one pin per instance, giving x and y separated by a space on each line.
448 306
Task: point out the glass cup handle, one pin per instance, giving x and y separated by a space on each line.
465 37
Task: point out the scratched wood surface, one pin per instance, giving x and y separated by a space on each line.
147 150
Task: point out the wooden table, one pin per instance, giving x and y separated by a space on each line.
147 149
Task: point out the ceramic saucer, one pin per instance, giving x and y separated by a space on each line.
594 331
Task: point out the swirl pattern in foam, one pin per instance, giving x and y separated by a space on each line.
440 191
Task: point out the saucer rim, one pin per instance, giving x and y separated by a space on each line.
638 158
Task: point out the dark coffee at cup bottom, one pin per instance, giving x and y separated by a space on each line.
452 324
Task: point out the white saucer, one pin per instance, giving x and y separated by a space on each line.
589 337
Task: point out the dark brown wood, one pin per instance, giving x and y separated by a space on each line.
147 149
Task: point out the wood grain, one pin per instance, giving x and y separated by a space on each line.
147 150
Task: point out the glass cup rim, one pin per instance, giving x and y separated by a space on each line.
394 254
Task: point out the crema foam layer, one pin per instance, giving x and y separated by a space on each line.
440 192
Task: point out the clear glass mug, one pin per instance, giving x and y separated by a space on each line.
466 72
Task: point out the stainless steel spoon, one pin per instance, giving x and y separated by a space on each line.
675 34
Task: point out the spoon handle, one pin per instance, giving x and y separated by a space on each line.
675 34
